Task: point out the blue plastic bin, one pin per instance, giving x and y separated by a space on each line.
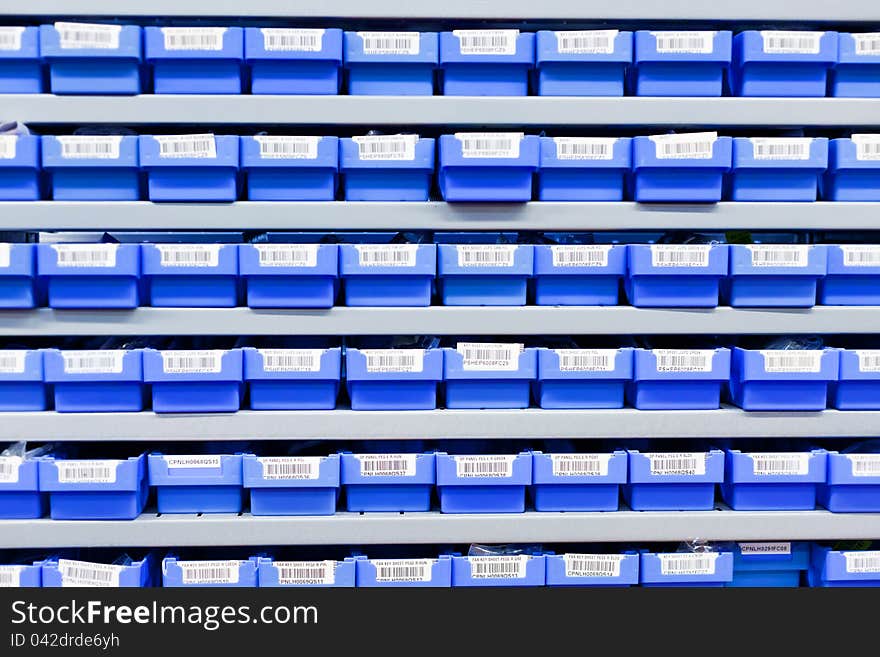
18 283
856 73
777 169
762 565
483 483
673 481
96 381
675 275
486 62
853 276
197 484
579 274
293 61
90 275
190 168
430 573
489 375
290 168
775 275
289 275
21 576
21 380
782 380
307 574
88 58
67 572
583 378
843 568
678 379
499 570
240 573
393 379
852 484
583 168
391 63
853 169
782 64
686 569
292 379
578 482
773 481
191 275
19 167
388 482
292 485
20 495
686 168
578 569
685 63
858 384
194 381
195 60
95 489
21 69
488 166
92 168
388 274
582 63
386 167
484 274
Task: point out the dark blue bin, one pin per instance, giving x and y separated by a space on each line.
20 495
773 481
763 565
678 379
21 69
285 60
67 572
489 375
21 380
673 481
777 169
21 576
307 574
292 485
92 168
583 378
578 482
408 573
18 268
843 568
579 274
583 168
775 275
197 484
483 483
393 379
92 59
853 276
858 384
582 63
386 167
782 380
782 64
852 484
857 71
484 274
686 569
195 60
194 381
191 275
90 275
95 489
290 168
675 275
388 274
499 570
105 380
578 569
486 62
391 63
686 168
19 167
190 168
238 573
292 379
853 169
388 482
680 63
289 275
488 166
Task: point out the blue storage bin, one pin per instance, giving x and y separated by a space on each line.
782 380
499 570
195 60
673 481
488 166
431 573
577 569
90 275
20 496
18 268
21 380
843 568
290 168
289 275
578 482
21 69
675 275
92 168
486 62
678 379
386 167
483 483
307 574
583 378
197 484
775 275
856 73
67 572
292 485
240 573
782 64
88 58
769 564
686 569
21 576
293 61
773 481
19 167
579 274
853 169
583 168
489 375
388 482
391 63
95 489
777 169
292 379
484 274
680 63
388 274
194 381
858 384
191 275
190 168
686 168
393 379
582 63
852 484
95 381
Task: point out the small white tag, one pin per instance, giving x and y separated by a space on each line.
391 43
499 567
210 572
394 360
99 361
9 466
281 39
291 467
288 255
291 360
792 360
87 574
684 360
490 356
780 463
692 146
5 254
486 255
496 466
288 148
865 465
691 563
490 145
85 255
387 255
387 465
699 43
10 37
867 43
580 255
586 42
765 548
8 147
584 148
10 576
764 148
306 572
193 38
680 255
586 360
205 361
487 42
87 472
791 43
189 255
12 361
862 562
592 565
201 462
88 147
677 463
72 36
869 360
863 255
867 147
202 147
779 255
387 147
403 570
580 465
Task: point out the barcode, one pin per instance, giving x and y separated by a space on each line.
394 360
765 548
292 40
86 472
193 38
862 562
403 570
769 464
202 146
781 149
9 466
391 43
8 147
684 360
288 255
189 255
785 43
867 147
490 355
680 255
84 573
78 147
291 360
779 255
5 253
869 360
288 148
867 44
499 145
592 565
209 572
586 360
793 360
861 256
387 465
192 362
580 255
681 463
499 567
693 146
487 42
386 147
387 255
10 576
12 361
486 255
584 148
10 38
580 465
687 42
85 255
93 362
291 467
85 35
599 42
306 572
688 564
865 465
495 466
202 462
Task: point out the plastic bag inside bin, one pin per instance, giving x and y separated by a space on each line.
394 342
797 343
476 550
20 450
13 128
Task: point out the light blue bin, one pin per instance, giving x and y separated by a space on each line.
195 60
782 64
582 63
285 61
21 69
391 63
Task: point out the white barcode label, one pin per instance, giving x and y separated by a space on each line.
677 463
199 462
781 149
12 361
684 360
9 466
586 42
193 38
580 255
391 43
491 356
210 572
288 255
8 147
580 465
692 146
281 39
867 147
85 255
780 463
102 361
688 563
87 472
867 43
592 565
291 360
10 37
584 148
497 466
779 255
189 255
10 576
867 255
499 567
207 361
306 572
862 562
680 255
487 42
403 570
865 465
685 42
5 254
86 35
291 467
88 147
586 360
202 146
394 360
288 148
791 43
765 548
486 255
85 573
792 360
386 147
869 360
387 465
491 145
387 255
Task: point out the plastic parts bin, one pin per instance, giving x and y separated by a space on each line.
489 375
388 274
21 576
292 485
675 275
431 573
292 379
686 569
21 69
391 63
484 274
210 574
853 169
775 275
484 483
769 564
21 380
578 569
290 275
852 484
582 63
583 378
194 381
90 275
579 274
191 275
195 60
386 167
578 482
293 61
388 482
782 379
782 64
853 277
583 168
198 483
858 385
190 168
773 481
680 63
290 168
499 570
67 572
393 379
18 283
329 574
843 568
486 62
857 71
95 381
777 169
673 481
92 168
682 168
488 166
19 167
20 495
678 379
